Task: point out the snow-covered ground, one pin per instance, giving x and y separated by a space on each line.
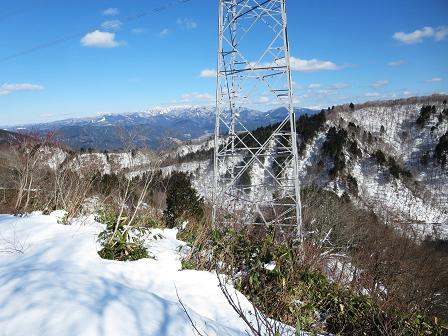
114 162
53 282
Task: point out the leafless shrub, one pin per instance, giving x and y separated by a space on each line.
403 272
131 193
12 245
347 242
71 186
25 163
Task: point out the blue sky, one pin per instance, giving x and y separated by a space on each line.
61 59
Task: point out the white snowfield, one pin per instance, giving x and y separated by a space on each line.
53 282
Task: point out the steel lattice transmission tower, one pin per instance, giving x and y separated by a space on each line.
255 175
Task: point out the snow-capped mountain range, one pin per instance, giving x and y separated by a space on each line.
152 128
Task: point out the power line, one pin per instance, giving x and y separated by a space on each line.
22 9
75 35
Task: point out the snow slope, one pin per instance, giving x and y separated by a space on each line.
56 284
421 203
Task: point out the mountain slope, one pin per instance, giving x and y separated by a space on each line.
381 154
8 138
155 128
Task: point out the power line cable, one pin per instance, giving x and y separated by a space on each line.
72 36
22 9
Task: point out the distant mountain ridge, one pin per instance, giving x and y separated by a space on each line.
8 138
153 128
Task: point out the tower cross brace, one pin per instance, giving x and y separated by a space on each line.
255 180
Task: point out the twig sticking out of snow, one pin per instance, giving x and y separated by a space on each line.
12 246
186 313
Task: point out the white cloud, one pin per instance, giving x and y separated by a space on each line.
434 80
395 63
317 90
311 65
407 93
416 36
187 23
327 92
7 89
301 65
339 86
163 32
380 83
208 73
263 100
137 31
112 25
372 94
110 12
441 33
314 107
99 39
197 97
422 34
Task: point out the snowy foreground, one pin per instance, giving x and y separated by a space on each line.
53 282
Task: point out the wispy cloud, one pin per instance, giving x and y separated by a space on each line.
380 83
46 115
395 63
264 100
208 73
7 89
112 25
339 86
99 39
317 91
312 65
326 92
138 31
441 33
187 23
372 94
433 80
163 32
110 12
419 35
314 107
197 97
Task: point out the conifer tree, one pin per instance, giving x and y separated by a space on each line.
182 200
